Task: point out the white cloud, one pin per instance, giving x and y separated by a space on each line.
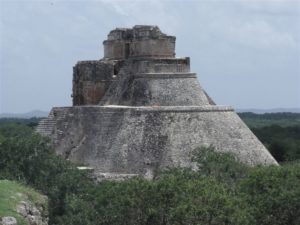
154 12
271 6
259 34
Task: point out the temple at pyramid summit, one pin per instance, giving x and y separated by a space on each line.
140 109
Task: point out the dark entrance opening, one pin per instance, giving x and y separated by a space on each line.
127 50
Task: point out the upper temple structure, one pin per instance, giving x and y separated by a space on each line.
140 109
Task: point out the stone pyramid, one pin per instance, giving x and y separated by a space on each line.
140 109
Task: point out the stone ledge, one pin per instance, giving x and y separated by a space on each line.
100 176
158 59
208 108
165 75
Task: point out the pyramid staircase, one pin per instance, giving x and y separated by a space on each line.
46 126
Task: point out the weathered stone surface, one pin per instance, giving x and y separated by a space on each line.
140 41
91 79
35 215
150 114
134 140
8 220
156 89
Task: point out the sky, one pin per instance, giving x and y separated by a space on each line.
246 53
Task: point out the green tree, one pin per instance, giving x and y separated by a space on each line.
274 194
221 191
27 157
221 166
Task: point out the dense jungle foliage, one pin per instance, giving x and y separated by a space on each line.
279 132
285 119
223 191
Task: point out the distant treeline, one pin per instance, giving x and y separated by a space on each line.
268 119
271 116
279 132
282 142
32 122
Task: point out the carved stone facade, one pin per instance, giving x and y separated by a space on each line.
138 42
140 109
91 79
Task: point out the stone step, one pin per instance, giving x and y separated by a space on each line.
46 126
45 122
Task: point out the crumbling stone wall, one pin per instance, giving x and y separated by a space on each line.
139 42
91 79
150 50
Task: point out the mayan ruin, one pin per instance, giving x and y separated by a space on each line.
140 109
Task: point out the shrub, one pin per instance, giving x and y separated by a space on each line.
27 157
274 194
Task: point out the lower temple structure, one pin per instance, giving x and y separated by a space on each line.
140 109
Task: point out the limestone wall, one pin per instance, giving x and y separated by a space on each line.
91 79
169 65
157 48
115 49
138 139
137 86
139 42
162 48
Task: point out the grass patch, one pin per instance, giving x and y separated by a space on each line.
12 193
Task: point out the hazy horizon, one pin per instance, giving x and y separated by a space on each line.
246 53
